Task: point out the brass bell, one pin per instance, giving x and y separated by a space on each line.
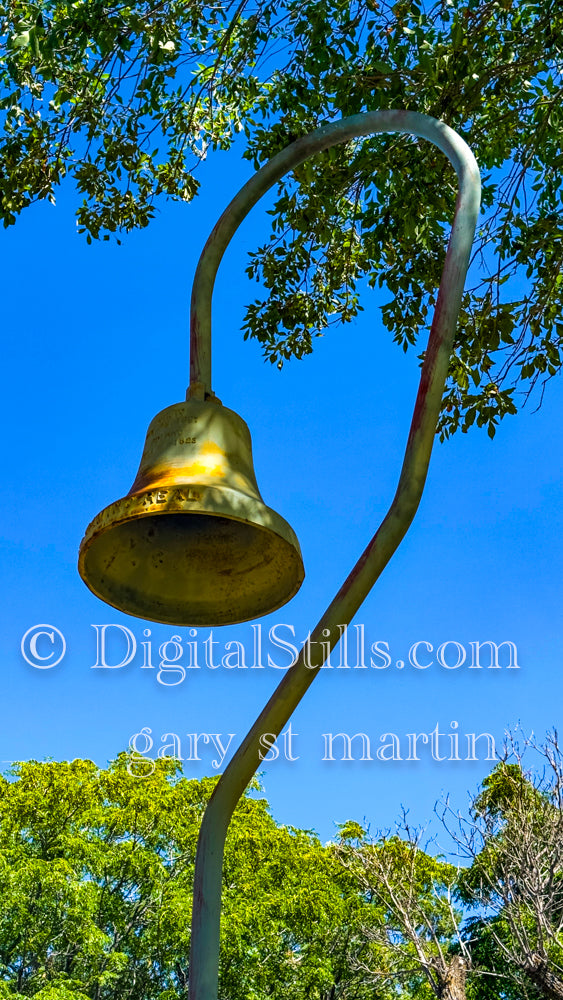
193 543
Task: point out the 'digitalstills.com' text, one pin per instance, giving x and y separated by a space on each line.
116 646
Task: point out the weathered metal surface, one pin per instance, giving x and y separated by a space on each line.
204 959
193 543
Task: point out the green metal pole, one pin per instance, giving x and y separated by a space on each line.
204 957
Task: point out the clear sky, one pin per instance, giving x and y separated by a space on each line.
96 344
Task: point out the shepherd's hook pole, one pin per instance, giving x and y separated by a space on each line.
204 958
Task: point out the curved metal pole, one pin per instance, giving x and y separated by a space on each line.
204 957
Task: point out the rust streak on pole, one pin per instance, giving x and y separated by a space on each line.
204 958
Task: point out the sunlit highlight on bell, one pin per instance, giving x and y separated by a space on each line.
193 543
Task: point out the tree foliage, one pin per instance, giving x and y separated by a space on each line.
380 209
124 98
419 925
490 926
96 872
127 99
514 840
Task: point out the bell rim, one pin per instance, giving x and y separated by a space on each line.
173 500
194 500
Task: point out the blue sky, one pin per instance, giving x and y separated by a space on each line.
97 343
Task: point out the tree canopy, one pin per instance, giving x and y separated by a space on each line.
129 99
514 841
96 873
488 927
